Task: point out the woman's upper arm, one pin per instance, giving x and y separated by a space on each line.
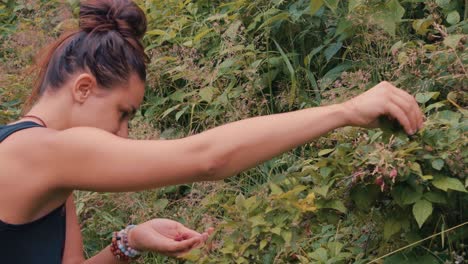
92 159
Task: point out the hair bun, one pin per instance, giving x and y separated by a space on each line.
123 16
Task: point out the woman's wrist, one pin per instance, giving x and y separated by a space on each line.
132 242
120 246
342 114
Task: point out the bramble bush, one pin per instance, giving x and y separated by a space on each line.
352 196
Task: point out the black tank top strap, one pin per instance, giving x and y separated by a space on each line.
36 242
6 131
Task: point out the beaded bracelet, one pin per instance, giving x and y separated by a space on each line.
120 247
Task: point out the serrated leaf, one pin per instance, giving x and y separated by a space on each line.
445 183
421 211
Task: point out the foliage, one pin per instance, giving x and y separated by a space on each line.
349 197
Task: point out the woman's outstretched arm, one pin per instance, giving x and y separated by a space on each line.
91 159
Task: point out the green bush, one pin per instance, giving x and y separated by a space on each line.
349 197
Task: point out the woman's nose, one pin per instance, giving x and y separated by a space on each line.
123 131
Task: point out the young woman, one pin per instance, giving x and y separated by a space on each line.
75 138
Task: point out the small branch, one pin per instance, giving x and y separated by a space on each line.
417 242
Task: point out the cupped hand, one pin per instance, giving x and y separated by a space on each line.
166 237
384 99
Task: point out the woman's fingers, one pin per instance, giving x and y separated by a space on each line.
415 111
398 113
180 246
408 109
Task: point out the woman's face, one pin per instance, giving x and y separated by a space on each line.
109 109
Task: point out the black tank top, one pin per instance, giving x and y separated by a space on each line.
40 241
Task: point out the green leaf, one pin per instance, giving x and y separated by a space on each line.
181 112
206 94
323 190
332 49
421 211
404 194
201 35
437 164
423 98
391 227
257 220
452 40
160 204
287 236
157 32
277 18
390 16
292 92
453 17
435 197
320 254
315 5
331 204
416 168
324 152
421 26
170 110
240 202
365 196
275 189
445 183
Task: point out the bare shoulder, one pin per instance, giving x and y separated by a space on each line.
37 149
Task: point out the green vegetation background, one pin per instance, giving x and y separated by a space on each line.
350 197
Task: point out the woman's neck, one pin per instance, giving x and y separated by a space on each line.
52 112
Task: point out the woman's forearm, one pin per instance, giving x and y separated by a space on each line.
241 145
104 257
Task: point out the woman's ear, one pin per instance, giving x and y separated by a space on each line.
84 85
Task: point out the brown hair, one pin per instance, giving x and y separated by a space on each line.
107 45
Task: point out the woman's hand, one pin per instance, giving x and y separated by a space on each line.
384 99
165 236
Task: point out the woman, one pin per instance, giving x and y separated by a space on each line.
74 138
